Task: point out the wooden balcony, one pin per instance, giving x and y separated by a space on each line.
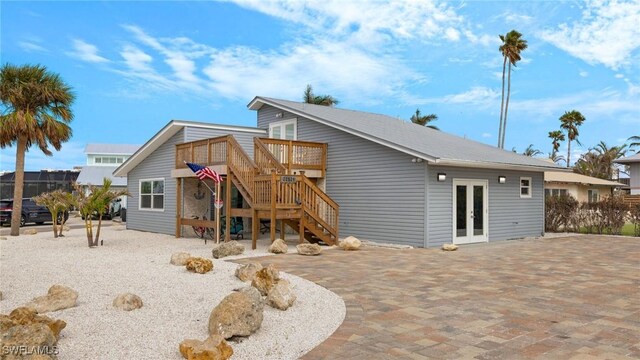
299 155
203 152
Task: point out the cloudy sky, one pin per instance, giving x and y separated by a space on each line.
134 66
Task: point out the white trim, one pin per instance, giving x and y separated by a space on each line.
140 208
283 125
485 209
530 187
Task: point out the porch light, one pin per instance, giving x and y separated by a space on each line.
502 179
442 176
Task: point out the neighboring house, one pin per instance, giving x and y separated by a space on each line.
583 188
102 160
634 172
38 182
367 175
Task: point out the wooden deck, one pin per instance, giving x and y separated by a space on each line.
273 184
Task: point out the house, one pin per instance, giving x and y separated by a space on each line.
102 160
581 187
38 182
634 172
327 172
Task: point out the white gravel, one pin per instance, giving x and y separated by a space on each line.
177 303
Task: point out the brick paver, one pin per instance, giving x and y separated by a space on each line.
568 298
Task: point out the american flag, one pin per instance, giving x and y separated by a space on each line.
203 172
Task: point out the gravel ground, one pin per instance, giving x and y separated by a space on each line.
177 303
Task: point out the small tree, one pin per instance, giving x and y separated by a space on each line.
57 202
95 201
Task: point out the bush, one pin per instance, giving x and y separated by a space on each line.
603 217
613 212
560 211
635 219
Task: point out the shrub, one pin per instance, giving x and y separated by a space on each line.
635 219
559 212
613 212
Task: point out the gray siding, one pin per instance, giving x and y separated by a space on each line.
379 190
510 217
157 165
634 181
244 138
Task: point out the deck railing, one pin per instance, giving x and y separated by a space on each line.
302 155
204 152
265 160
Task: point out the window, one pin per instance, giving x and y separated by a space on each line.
151 195
593 196
286 130
554 192
98 160
525 187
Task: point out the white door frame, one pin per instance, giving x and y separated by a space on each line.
470 238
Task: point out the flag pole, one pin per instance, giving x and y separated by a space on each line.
217 213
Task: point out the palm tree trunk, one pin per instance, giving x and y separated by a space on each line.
98 231
504 65
54 217
506 107
89 228
568 152
18 188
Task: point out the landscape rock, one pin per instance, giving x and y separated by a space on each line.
58 297
309 249
199 265
26 316
180 258
26 340
248 271
278 247
350 243
30 232
238 314
227 249
127 302
265 279
3 238
449 247
0 295
281 295
213 348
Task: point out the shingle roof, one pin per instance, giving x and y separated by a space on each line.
111 149
568 177
433 145
94 174
629 159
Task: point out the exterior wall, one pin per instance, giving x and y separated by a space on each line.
91 159
634 175
580 192
379 190
510 217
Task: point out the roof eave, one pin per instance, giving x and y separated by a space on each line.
499 166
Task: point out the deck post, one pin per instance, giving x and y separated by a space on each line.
255 224
178 207
290 157
282 228
227 201
273 205
302 208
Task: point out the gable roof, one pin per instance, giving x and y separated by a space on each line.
93 175
570 177
629 159
165 134
436 147
111 149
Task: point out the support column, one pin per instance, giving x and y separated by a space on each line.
274 191
227 200
255 228
178 207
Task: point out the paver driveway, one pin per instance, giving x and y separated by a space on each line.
574 297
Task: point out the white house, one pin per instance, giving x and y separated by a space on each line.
634 172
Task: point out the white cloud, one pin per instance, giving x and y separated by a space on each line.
86 52
71 154
477 95
486 135
608 33
583 73
31 46
513 18
619 76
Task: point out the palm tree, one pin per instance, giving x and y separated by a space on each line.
571 121
556 137
424 120
599 161
531 152
96 201
556 158
512 46
36 111
325 100
635 142
57 202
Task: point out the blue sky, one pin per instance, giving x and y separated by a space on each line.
136 65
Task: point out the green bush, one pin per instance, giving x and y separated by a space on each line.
603 217
635 219
560 210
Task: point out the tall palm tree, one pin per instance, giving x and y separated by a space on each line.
310 98
556 158
635 142
512 45
556 137
424 120
36 111
571 121
530 151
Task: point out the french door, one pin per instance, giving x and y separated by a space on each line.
470 211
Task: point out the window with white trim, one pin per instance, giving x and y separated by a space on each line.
286 129
555 192
151 195
525 187
593 196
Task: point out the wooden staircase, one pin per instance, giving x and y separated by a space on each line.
274 193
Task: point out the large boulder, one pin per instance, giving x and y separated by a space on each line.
449 247
278 247
213 348
248 271
281 296
350 243
26 340
180 258
58 297
309 249
26 316
199 265
227 249
238 314
265 279
127 302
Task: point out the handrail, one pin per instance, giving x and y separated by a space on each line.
204 152
293 154
241 165
325 209
265 159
